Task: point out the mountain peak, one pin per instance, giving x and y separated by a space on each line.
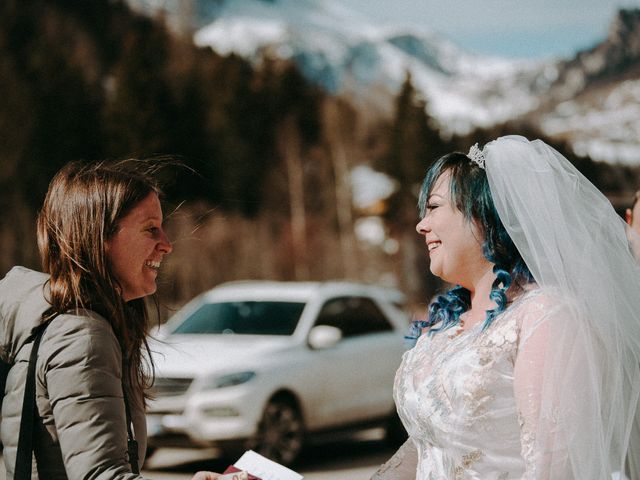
624 37
366 63
617 54
350 55
595 101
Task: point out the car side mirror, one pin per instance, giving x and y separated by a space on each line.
324 336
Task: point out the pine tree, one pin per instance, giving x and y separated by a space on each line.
414 144
139 113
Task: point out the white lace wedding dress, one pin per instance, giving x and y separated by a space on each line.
470 399
549 391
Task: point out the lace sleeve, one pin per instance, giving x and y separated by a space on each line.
546 425
402 466
528 381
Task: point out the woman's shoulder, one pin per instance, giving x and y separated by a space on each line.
80 336
536 305
82 321
534 297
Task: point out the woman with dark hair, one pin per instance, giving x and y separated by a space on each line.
102 243
529 367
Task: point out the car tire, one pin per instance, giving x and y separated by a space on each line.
280 433
395 433
149 452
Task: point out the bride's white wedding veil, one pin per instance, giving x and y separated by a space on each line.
578 249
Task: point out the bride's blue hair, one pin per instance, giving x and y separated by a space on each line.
470 193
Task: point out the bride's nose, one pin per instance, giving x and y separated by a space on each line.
423 226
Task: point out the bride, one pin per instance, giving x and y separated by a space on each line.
529 367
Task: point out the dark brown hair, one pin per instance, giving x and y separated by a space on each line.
81 211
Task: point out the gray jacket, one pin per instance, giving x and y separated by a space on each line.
81 430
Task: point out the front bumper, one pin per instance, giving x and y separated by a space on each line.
205 418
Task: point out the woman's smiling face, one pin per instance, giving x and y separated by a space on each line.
454 244
136 250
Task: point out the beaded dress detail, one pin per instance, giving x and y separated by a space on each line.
456 394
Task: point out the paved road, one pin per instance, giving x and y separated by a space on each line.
354 458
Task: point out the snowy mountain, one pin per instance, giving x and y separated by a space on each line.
595 101
591 100
347 54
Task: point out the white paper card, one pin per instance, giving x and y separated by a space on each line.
266 469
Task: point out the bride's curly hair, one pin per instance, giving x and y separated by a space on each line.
470 193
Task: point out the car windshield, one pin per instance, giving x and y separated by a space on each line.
248 318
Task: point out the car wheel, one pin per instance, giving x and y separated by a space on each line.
280 432
395 433
149 452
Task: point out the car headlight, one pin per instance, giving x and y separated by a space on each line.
230 380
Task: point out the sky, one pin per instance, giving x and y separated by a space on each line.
511 28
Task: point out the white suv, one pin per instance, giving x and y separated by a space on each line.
262 365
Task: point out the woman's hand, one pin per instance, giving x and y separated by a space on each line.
205 476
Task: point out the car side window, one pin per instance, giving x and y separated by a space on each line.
354 316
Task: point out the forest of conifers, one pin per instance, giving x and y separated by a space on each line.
263 191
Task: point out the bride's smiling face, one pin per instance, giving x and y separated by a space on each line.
454 243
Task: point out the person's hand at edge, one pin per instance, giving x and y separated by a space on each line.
205 476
